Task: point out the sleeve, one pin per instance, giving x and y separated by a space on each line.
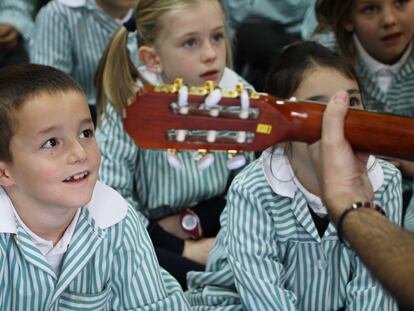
19 14
408 219
138 281
119 157
51 41
257 270
365 292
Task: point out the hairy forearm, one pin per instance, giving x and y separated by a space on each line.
386 249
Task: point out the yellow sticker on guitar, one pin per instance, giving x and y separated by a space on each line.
264 128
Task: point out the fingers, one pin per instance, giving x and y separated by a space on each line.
334 118
8 36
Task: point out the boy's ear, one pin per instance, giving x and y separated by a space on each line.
149 57
5 178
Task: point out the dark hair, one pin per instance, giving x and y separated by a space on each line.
331 16
20 83
286 72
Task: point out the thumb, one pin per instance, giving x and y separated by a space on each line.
334 118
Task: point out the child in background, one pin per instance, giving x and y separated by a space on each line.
177 38
16 24
378 37
72 36
66 241
276 249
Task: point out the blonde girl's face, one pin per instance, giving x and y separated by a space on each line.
321 83
191 44
384 27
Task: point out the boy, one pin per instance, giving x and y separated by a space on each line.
66 241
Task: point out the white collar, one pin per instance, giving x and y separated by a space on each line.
107 207
375 66
282 180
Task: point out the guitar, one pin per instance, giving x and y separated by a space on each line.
156 121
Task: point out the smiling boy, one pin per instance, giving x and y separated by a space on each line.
66 241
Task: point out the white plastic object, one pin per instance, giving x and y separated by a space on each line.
236 162
174 161
241 137
244 104
205 161
181 134
211 136
183 96
213 98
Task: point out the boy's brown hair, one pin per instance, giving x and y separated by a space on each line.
21 83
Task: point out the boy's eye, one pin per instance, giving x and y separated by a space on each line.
50 143
87 133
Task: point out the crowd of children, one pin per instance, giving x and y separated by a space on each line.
96 223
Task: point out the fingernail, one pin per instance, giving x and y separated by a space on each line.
342 96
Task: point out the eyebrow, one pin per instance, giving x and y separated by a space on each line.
56 127
190 34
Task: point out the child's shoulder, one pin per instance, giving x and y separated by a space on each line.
251 177
390 171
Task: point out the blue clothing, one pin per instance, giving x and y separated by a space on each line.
73 39
270 256
109 265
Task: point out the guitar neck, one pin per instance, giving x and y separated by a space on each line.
152 118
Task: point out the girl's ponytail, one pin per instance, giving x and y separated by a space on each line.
115 76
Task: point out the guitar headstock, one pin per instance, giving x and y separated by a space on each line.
157 120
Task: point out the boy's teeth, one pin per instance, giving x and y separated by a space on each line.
78 176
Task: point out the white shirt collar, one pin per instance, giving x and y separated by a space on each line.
375 66
282 180
73 3
107 207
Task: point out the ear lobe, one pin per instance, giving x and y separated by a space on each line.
149 57
348 25
5 179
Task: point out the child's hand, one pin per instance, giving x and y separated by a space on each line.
8 37
172 225
198 250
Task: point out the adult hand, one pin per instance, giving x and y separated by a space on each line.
9 37
198 250
343 173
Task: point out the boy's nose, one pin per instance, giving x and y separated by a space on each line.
77 152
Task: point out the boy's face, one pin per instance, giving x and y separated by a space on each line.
55 158
384 27
191 44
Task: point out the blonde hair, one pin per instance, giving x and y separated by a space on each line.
332 15
116 74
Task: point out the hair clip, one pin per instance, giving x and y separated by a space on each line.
130 24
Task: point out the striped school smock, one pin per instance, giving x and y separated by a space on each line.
271 257
19 14
72 37
109 265
146 179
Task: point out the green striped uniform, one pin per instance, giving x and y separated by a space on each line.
19 14
73 39
269 255
146 179
111 268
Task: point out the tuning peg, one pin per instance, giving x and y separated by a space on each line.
244 104
173 159
183 99
241 137
205 159
213 98
180 136
211 136
236 160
